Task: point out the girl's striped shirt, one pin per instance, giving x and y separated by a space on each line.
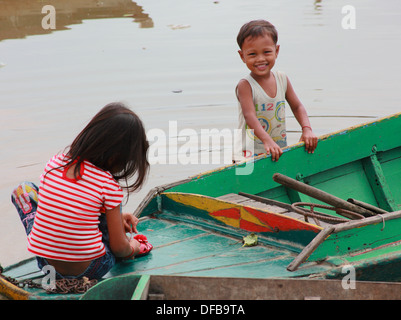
67 219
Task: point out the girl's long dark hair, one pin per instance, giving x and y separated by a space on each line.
115 141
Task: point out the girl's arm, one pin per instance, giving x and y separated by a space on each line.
119 244
300 114
244 94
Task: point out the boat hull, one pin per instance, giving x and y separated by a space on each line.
197 225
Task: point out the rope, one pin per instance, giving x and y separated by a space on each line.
384 224
321 216
62 286
20 284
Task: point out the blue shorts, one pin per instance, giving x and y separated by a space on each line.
25 199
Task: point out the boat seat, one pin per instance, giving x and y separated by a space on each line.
266 204
243 200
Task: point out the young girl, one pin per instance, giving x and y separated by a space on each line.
74 223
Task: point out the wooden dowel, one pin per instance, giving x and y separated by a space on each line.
307 251
367 206
319 194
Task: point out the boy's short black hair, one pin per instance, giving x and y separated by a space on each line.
256 28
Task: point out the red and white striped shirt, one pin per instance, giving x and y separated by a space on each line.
66 222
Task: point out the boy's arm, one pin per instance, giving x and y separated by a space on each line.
300 114
244 94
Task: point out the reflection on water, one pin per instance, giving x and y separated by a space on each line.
22 18
318 6
313 14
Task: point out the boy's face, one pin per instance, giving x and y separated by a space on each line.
259 54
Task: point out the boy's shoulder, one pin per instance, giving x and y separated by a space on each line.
280 72
282 76
275 72
248 79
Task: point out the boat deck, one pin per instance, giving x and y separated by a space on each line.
183 249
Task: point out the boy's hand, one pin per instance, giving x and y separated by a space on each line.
273 149
309 138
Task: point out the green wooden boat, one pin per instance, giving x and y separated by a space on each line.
316 217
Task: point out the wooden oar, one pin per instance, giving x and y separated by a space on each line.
367 206
320 195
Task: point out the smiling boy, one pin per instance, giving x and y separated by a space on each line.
262 95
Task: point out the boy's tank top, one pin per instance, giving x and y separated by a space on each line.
271 115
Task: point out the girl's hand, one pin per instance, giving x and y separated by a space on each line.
309 138
130 222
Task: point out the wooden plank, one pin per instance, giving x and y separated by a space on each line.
307 251
287 209
276 207
233 197
377 180
226 288
253 262
264 206
391 165
142 288
9 291
267 201
245 201
368 221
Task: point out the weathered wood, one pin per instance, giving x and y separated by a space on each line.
367 206
225 288
365 222
154 192
307 251
239 199
288 210
232 197
142 288
9 291
267 201
145 202
319 194
377 180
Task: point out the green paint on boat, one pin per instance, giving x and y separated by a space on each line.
197 225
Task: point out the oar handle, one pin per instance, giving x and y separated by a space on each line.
319 194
